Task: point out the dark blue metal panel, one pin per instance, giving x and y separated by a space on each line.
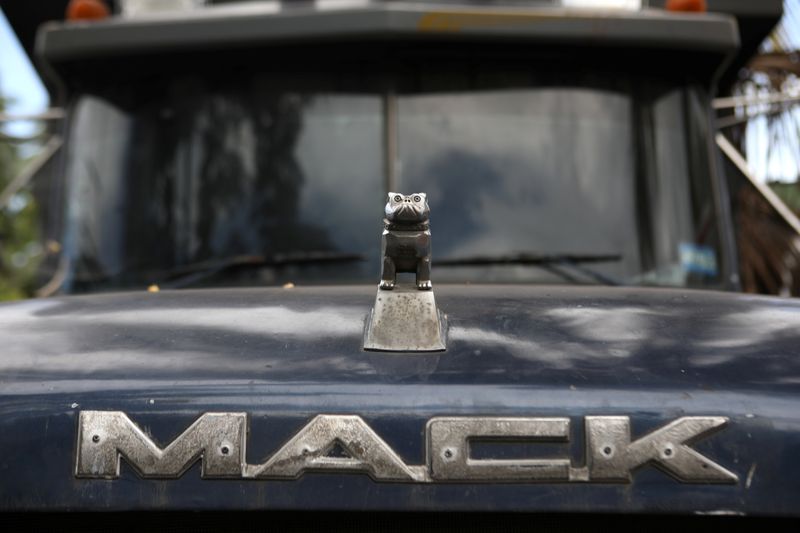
285 355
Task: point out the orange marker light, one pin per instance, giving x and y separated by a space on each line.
87 10
697 6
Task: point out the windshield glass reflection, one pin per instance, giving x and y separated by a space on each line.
262 165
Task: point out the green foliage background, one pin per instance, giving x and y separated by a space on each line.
20 248
789 193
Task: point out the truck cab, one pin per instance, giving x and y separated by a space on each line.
224 175
535 136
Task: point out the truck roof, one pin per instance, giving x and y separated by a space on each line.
754 22
265 23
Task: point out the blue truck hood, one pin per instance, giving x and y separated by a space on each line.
284 356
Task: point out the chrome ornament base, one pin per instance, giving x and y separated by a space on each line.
405 319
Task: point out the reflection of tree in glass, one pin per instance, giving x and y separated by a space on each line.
279 178
226 180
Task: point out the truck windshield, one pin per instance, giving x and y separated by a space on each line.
173 174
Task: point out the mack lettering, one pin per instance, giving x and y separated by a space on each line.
218 441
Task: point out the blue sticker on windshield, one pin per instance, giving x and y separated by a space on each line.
698 259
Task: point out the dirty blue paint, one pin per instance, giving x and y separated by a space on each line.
283 356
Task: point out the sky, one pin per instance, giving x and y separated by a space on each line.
782 162
19 81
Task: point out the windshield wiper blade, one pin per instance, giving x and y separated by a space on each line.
192 273
549 262
528 259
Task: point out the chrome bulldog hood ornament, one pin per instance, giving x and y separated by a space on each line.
406 240
405 317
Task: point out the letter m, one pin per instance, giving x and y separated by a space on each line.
105 436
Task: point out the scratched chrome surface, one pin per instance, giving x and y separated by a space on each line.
283 357
218 441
